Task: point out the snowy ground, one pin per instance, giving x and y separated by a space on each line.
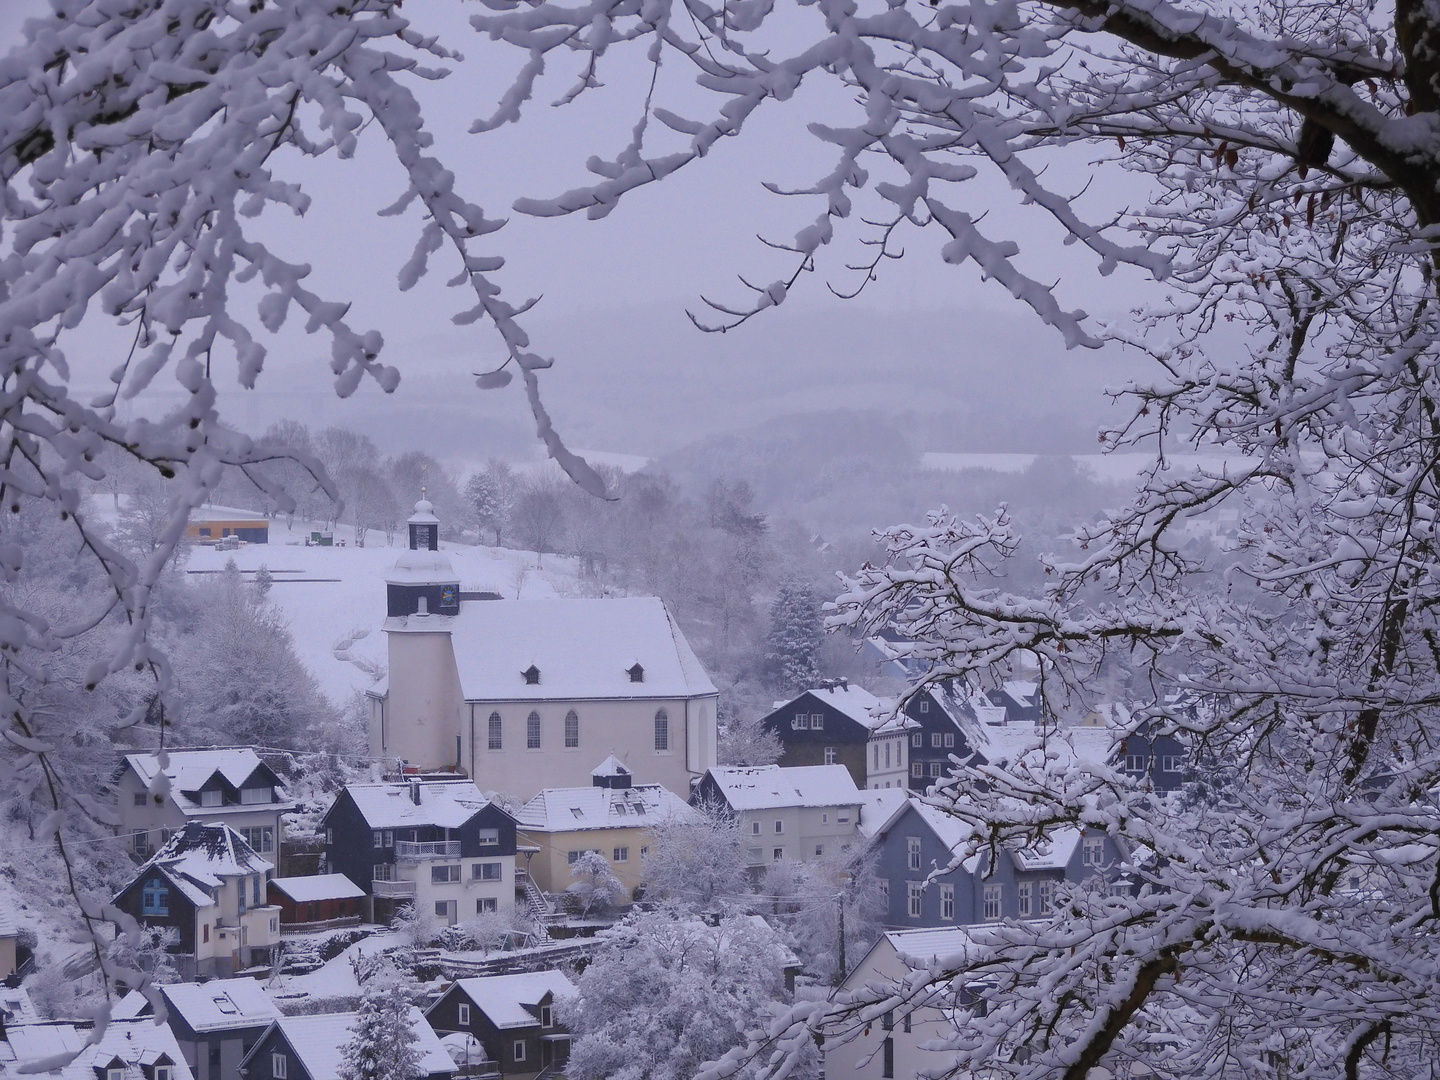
335 595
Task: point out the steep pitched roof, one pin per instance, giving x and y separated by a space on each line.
445 803
879 808
582 648
134 1045
190 770
568 809
318 1040
763 787
199 858
502 998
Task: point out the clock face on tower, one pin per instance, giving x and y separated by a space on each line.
447 596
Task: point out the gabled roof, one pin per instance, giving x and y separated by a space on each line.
611 766
930 945
853 701
221 1004
190 770
1052 853
582 648
199 858
568 809
318 1040
502 998
879 808
763 787
446 804
135 1045
313 887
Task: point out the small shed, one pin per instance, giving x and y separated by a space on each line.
316 901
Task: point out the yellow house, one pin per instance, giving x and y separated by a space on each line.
219 522
614 817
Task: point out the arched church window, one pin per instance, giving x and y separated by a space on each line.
572 730
532 731
496 732
662 730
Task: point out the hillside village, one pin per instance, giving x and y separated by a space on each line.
542 775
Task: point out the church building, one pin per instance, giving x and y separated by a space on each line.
522 695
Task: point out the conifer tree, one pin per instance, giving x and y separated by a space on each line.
793 645
382 1046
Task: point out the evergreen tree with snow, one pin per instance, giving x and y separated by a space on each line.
382 1043
792 647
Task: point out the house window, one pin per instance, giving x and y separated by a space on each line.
935 740
778 854
462 1014
621 854
779 826
912 852
441 875
1047 897
885 891
390 838
532 731
887 753
277 1066
485 871
754 855
496 730
817 721
547 1016
935 768
255 895
917 769
662 730
114 1074
532 675
206 935
164 1072
489 836
917 740
832 755
887 1063
442 909
824 819
819 850
139 842
209 798
1093 853
155 898
379 838
924 706
800 723
1135 763
519 1050
1172 763
947 901
755 828
914 891
877 755
1022 892
993 895
486 905
843 817
950 741
261 838
636 673
382 871
139 798
572 730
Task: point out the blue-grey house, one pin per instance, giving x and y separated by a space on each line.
916 839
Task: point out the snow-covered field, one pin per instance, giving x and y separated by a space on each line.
334 595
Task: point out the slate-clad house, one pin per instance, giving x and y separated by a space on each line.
231 785
917 839
440 845
214 1023
840 724
309 1048
512 1017
208 885
938 733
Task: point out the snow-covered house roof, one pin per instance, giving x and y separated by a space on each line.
763 787
220 1004
315 887
617 648
568 809
879 808
135 1046
16 1006
187 772
854 701
318 1041
225 513
445 803
930 945
1035 745
198 859
611 766
503 998
1052 853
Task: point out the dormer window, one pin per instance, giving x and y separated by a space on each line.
210 798
636 673
532 675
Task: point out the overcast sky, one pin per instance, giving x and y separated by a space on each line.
657 254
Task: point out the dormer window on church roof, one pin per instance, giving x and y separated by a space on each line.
532 675
636 672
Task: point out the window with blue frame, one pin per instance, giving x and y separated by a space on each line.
155 898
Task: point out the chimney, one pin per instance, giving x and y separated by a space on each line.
415 792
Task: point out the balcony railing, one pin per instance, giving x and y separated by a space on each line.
432 849
392 888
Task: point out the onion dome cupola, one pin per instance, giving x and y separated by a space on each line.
422 581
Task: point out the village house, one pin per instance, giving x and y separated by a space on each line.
940 719
613 816
214 1023
522 695
317 902
512 1018
310 1048
208 886
438 844
210 523
231 785
803 812
128 1050
894 1044
841 724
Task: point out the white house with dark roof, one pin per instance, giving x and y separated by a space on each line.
230 785
803 812
310 1048
520 695
208 885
